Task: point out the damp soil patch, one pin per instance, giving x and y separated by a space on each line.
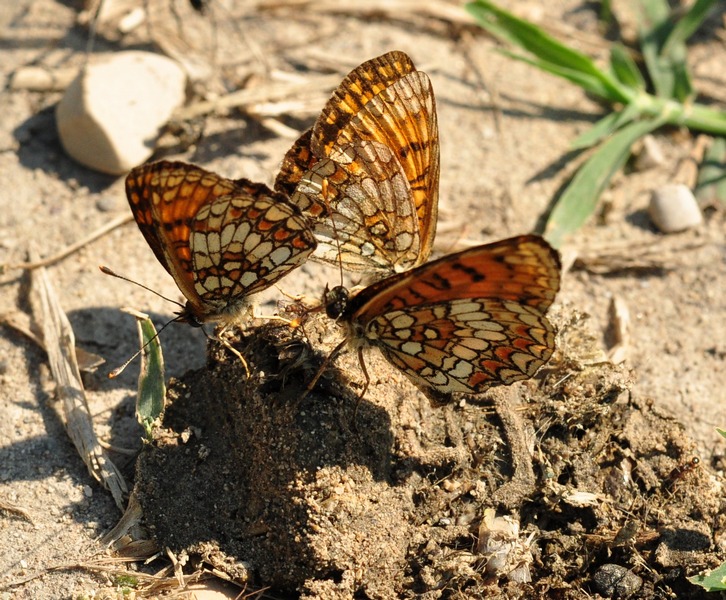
560 486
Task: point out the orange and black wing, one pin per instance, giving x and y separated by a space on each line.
165 198
243 243
467 321
220 240
368 171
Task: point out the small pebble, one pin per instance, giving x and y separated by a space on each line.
673 208
650 154
109 203
614 581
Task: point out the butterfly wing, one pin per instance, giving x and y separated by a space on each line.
465 345
244 242
388 101
368 170
467 321
165 197
220 240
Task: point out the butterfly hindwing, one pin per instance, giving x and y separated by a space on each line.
221 240
466 321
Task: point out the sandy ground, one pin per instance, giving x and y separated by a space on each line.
505 130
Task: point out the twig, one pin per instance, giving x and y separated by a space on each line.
258 95
100 232
16 510
75 414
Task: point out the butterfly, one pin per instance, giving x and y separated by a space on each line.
220 240
367 172
462 323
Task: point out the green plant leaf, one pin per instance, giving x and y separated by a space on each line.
605 15
721 431
654 28
152 389
711 185
625 69
605 127
592 85
579 199
688 25
558 57
675 52
664 46
711 581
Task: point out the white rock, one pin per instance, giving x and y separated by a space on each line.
673 207
110 115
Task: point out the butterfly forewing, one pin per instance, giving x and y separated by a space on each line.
368 171
357 90
364 185
525 269
220 240
466 321
402 117
165 198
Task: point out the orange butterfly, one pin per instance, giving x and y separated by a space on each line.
462 323
220 240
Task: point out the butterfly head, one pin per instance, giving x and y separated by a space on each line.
335 301
189 315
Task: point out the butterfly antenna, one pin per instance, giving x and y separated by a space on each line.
108 271
118 370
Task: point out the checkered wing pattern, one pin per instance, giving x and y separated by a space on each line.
467 321
368 171
220 240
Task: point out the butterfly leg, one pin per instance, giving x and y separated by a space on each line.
362 364
221 339
321 370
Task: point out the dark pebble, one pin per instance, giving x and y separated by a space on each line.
614 581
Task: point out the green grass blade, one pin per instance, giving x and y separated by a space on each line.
625 69
688 25
605 15
592 85
605 127
152 389
654 28
579 199
547 49
674 52
711 186
664 46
